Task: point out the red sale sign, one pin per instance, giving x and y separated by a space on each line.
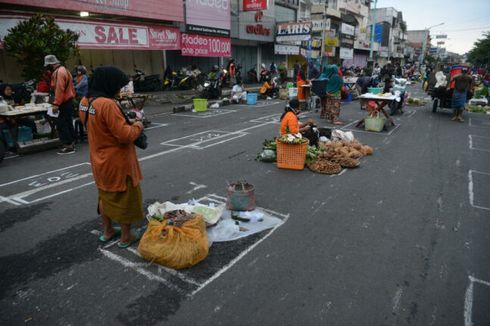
254 5
194 45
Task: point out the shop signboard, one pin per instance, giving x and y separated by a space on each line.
102 35
254 5
442 36
347 29
284 49
195 45
331 39
345 53
169 10
441 43
293 32
208 17
320 25
347 43
256 26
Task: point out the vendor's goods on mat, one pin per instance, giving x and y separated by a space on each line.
178 240
335 155
324 166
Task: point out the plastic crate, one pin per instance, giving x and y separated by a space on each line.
318 87
375 90
252 98
291 156
200 104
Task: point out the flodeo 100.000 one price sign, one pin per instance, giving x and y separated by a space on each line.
205 46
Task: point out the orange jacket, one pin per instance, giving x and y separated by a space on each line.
62 85
265 87
289 124
110 138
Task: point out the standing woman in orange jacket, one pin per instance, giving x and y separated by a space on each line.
115 166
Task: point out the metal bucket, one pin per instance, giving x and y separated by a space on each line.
241 197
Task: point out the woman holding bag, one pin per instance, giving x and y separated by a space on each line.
113 155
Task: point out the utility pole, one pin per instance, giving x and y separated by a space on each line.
424 45
323 35
373 27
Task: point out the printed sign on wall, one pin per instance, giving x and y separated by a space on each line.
208 17
194 45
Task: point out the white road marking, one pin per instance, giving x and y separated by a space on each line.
471 189
396 300
468 299
237 259
171 271
196 187
155 125
210 114
470 137
137 267
44 173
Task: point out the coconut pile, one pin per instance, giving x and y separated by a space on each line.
335 155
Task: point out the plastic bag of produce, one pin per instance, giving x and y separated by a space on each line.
175 246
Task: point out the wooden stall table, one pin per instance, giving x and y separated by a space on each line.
381 101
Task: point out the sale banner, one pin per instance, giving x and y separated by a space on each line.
194 45
254 5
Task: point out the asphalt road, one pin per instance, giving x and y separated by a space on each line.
402 240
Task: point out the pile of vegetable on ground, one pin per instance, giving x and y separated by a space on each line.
335 155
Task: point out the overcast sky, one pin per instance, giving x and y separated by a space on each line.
464 20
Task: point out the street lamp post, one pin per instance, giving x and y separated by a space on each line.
373 27
424 45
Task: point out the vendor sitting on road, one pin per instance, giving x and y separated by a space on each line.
267 91
238 93
291 125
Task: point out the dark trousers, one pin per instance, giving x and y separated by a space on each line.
66 132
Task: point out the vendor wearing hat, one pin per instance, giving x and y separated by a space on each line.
289 120
64 92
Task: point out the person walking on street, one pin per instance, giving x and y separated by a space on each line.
64 92
462 84
115 166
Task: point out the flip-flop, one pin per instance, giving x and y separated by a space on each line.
117 233
136 237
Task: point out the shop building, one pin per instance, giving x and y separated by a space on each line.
125 34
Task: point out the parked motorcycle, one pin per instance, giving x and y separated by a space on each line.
146 83
211 89
252 75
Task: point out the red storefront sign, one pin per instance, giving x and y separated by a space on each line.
258 29
254 5
102 35
170 10
195 45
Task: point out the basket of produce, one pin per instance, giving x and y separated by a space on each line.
374 123
291 152
324 166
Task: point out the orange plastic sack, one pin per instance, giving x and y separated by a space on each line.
173 246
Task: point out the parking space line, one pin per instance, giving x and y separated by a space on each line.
155 125
371 132
471 190
137 267
468 300
470 137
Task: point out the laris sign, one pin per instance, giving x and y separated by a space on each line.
293 32
195 45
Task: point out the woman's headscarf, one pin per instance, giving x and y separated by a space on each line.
331 73
106 81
